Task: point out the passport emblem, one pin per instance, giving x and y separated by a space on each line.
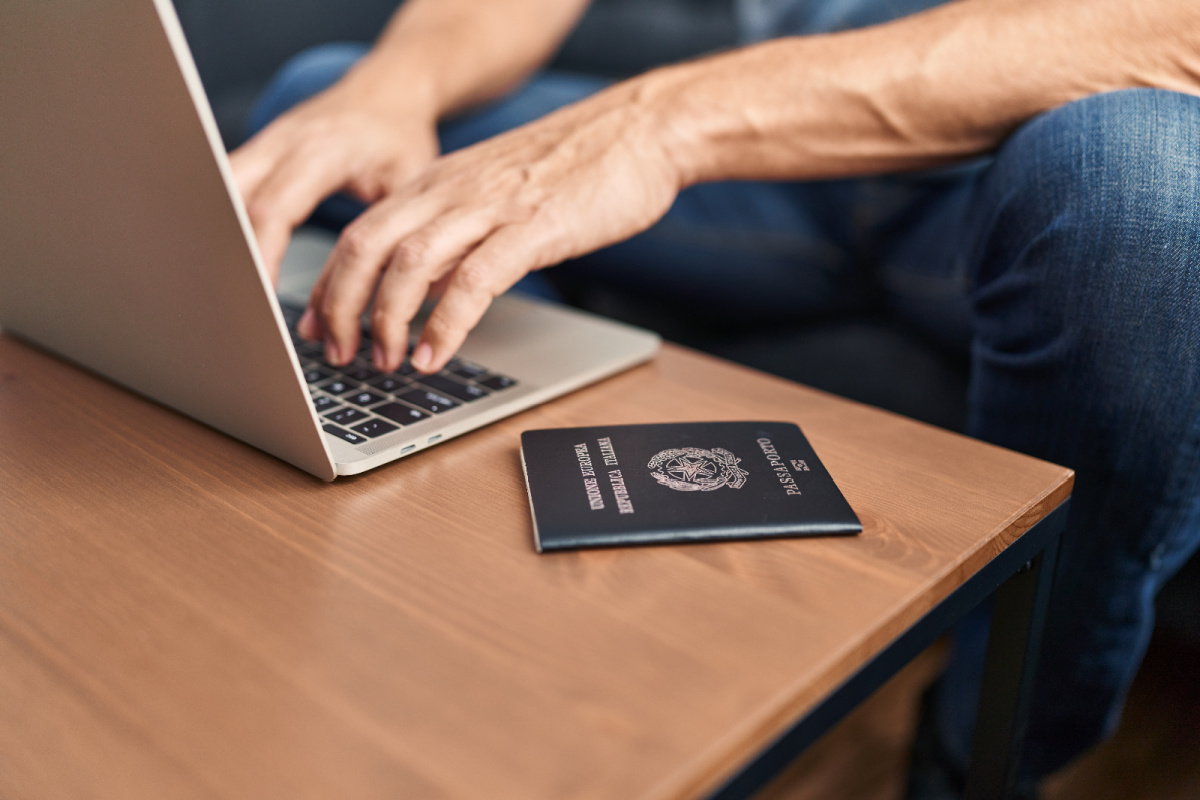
692 469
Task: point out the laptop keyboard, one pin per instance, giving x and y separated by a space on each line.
357 403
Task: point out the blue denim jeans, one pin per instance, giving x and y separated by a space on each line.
1066 264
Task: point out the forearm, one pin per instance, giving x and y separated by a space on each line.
451 54
924 90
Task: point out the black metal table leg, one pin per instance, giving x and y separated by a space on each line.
1020 578
1014 640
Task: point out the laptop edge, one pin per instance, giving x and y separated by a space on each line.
117 186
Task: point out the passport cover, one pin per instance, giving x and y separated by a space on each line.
616 485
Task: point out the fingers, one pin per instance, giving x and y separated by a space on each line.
287 196
253 161
418 266
400 252
253 165
344 289
315 150
482 276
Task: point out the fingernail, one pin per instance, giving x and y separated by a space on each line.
378 358
305 325
422 356
331 352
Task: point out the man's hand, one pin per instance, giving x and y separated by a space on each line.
346 139
375 129
923 90
479 219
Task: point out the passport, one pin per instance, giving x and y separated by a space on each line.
616 485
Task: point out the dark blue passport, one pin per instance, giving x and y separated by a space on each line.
615 485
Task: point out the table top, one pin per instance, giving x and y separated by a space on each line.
184 616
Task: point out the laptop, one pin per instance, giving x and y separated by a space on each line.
125 248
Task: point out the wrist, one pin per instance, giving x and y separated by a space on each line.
666 101
730 116
393 87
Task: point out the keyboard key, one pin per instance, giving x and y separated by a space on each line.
349 436
365 343
360 373
453 388
291 314
324 403
465 369
374 427
430 401
315 375
389 383
310 350
345 416
400 413
364 398
339 387
496 382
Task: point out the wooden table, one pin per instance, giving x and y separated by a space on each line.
183 616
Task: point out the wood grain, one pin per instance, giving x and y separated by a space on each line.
184 616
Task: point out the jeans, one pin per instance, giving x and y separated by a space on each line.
1066 264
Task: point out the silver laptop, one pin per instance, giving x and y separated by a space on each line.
125 248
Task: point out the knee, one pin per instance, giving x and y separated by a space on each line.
1097 204
1121 168
1088 244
